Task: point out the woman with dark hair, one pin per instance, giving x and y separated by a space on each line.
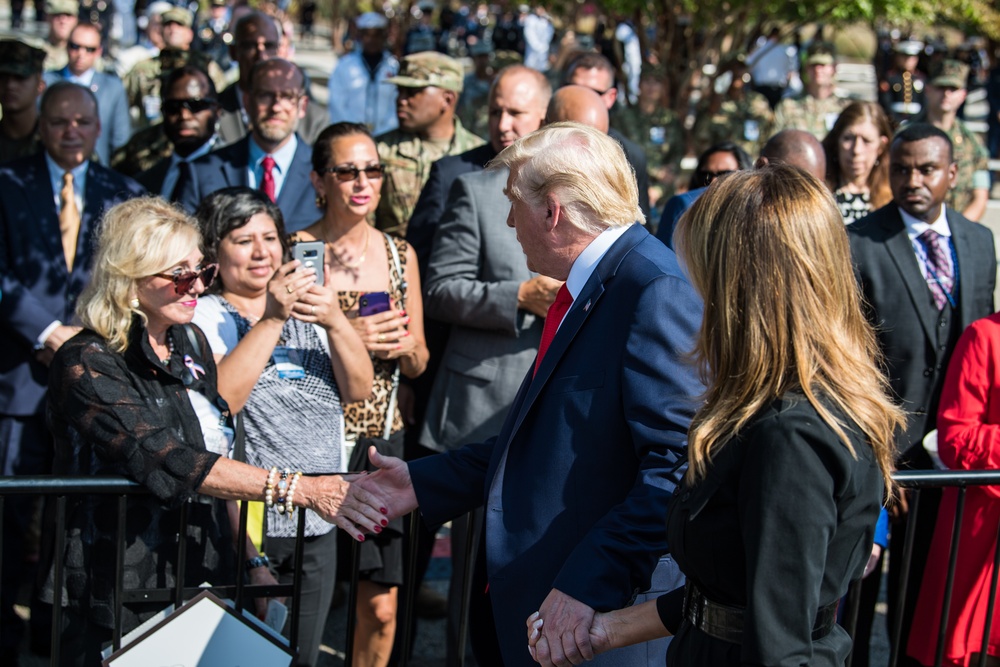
719 160
135 393
376 280
857 160
288 359
791 452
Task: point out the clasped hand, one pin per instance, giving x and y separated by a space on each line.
564 631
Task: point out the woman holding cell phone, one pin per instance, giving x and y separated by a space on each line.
376 279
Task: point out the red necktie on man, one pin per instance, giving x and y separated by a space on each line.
557 311
267 183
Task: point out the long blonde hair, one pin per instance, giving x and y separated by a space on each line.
136 239
768 253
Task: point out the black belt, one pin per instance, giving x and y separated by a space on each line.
726 623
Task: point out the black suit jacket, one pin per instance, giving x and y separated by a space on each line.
637 158
37 288
227 166
430 206
896 298
152 179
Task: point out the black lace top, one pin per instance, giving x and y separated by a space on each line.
129 414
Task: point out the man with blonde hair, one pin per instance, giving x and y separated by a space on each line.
577 482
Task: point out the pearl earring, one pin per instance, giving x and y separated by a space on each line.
134 303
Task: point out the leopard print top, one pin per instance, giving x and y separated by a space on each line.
367 418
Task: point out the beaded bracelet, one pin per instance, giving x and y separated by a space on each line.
290 506
283 489
257 561
269 487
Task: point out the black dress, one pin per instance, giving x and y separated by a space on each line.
128 414
781 525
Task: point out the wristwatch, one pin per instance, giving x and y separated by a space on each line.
258 561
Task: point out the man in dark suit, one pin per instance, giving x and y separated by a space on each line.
577 482
594 71
926 273
84 49
256 38
272 158
190 115
51 205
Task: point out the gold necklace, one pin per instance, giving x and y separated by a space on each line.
361 259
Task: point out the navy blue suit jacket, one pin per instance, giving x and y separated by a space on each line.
227 166
590 443
676 207
430 207
37 288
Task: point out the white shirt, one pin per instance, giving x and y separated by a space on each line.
282 162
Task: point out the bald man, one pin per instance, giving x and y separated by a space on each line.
579 104
797 148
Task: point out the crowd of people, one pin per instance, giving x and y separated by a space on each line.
490 328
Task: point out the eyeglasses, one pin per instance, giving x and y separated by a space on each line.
712 175
73 46
195 106
183 282
349 172
285 97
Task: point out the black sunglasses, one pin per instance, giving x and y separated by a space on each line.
174 107
345 173
183 282
73 46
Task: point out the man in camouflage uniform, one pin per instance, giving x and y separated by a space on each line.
21 84
61 15
901 92
429 85
734 112
142 84
657 129
815 109
944 94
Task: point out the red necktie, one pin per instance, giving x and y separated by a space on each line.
267 183
557 311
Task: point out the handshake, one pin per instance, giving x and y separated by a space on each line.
362 503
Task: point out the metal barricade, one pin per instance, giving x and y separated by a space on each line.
917 480
57 489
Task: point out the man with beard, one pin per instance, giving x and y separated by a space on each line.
190 114
272 158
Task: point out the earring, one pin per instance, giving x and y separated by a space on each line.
320 201
134 303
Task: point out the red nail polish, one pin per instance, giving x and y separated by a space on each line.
383 510
377 529
384 522
361 538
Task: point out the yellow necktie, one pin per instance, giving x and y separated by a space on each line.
69 219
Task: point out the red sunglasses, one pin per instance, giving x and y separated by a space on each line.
183 282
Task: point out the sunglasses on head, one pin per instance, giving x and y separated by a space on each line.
174 107
73 46
345 173
183 282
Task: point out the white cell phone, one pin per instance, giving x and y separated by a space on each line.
311 254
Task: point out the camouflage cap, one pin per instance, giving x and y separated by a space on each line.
949 73
20 59
177 15
821 53
57 7
429 68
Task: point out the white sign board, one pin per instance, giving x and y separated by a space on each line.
205 632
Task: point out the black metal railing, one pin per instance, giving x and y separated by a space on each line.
916 481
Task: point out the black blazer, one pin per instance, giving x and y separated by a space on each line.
430 206
227 166
896 296
37 288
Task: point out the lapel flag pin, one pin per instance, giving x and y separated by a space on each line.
586 306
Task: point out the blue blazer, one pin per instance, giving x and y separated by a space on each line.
227 166
37 288
676 207
590 444
112 108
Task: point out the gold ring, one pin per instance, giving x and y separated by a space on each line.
381 338
288 288
314 310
